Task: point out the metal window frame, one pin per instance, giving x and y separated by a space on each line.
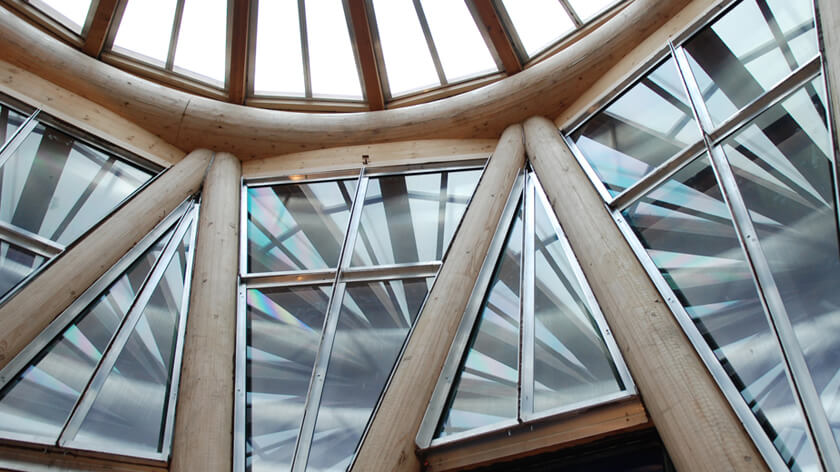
62 20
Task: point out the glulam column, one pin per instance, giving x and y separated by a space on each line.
694 419
202 439
33 308
389 444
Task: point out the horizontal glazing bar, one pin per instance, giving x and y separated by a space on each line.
30 241
393 271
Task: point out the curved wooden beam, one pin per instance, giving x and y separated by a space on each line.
189 121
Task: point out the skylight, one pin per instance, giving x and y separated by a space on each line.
71 13
202 38
463 52
278 70
146 28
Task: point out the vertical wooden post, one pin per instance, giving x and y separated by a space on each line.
389 444
202 438
33 308
694 419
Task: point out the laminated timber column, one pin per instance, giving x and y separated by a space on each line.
694 419
389 443
45 297
202 439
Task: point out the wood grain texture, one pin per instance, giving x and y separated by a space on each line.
33 308
694 419
498 35
31 459
398 418
99 26
237 83
367 57
202 438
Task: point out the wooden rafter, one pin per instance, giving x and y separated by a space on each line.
101 22
367 57
501 42
239 51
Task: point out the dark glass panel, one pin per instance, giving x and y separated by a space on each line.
10 121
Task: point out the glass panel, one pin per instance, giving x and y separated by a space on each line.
412 218
687 230
644 127
58 187
331 59
408 61
10 121
463 52
39 400
284 333
297 226
202 39
751 48
279 61
71 13
587 9
373 323
571 360
16 263
146 29
486 389
539 23
130 410
783 166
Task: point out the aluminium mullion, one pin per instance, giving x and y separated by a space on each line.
316 385
527 327
572 13
18 137
596 181
240 382
173 36
30 241
243 229
120 338
485 35
354 43
377 50
427 32
304 49
512 33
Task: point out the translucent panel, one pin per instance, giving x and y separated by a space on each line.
129 411
332 63
587 9
571 361
538 23
687 230
373 323
10 121
297 226
202 39
284 332
39 400
782 164
486 389
463 52
408 62
412 218
146 29
279 61
16 263
640 130
751 48
71 13
58 187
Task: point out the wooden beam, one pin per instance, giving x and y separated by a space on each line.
237 83
540 437
367 56
99 26
202 439
402 406
27 314
47 459
498 35
687 407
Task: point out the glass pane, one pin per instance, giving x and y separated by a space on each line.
687 230
146 29
408 62
284 333
539 23
373 323
571 361
587 9
279 61
39 400
10 121
412 218
783 166
486 390
463 52
16 263
58 187
331 59
751 48
297 226
644 127
130 409
70 13
202 39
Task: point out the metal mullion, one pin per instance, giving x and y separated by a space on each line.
30 241
173 37
391 272
316 385
527 327
442 200
240 382
304 49
485 35
289 279
345 4
572 13
118 341
377 50
427 32
511 31
253 13
243 229
599 185
18 136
